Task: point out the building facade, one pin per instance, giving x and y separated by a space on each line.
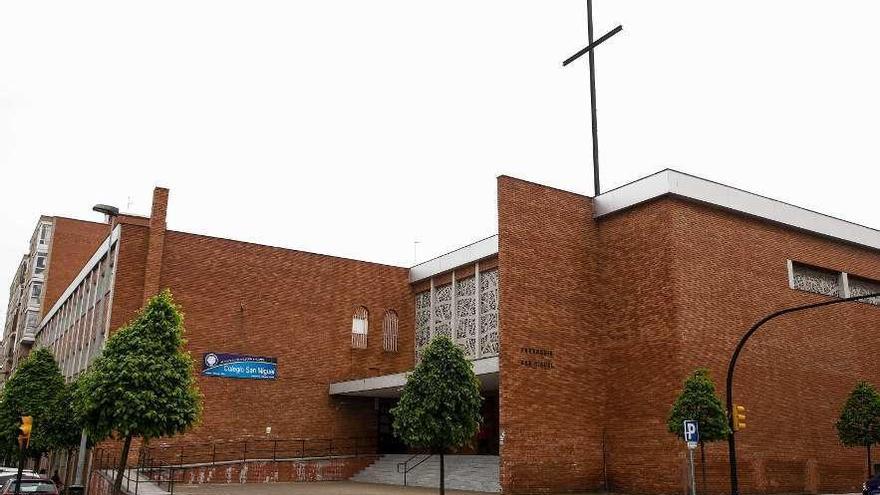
582 318
56 252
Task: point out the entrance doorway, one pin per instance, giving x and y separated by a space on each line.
388 443
487 435
485 442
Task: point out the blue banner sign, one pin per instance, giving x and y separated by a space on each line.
239 366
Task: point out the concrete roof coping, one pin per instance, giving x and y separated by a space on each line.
462 256
673 183
390 385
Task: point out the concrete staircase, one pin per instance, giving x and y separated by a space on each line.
463 472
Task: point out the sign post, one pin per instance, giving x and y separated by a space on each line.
692 437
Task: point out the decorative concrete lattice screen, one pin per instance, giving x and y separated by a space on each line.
465 310
863 287
832 283
389 331
816 280
360 325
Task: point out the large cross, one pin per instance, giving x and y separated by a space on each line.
589 49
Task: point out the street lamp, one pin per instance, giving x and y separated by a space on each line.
77 487
731 439
110 211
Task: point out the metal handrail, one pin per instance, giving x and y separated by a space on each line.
164 464
407 468
268 448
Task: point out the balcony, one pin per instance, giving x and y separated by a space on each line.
32 320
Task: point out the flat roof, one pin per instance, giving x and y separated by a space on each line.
673 183
471 253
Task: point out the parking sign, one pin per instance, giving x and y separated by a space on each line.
691 433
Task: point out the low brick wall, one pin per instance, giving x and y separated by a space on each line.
267 471
99 484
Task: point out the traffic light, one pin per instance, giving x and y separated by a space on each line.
24 438
739 418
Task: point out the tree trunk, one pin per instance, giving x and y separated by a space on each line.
67 469
442 477
869 460
703 466
123 460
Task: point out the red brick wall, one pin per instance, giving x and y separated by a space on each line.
641 347
128 289
328 469
795 374
297 307
73 243
155 243
550 417
633 303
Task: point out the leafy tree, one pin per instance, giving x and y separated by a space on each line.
33 390
64 427
697 401
439 407
143 384
859 423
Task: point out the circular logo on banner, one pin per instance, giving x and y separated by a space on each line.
211 359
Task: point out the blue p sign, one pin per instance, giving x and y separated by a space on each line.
691 432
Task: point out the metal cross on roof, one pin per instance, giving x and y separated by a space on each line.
591 45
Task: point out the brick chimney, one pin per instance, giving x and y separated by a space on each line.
156 242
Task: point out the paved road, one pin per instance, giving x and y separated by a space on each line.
314 488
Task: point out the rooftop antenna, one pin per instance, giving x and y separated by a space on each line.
415 251
591 45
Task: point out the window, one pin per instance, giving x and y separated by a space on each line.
36 292
40 264
442 306
31 321
466 314
832 283
488 301
465 310
360 324
817 280
45 229
389 331
862 287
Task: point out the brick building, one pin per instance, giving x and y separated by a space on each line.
56 252
582 317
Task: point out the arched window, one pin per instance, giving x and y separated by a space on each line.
389 331
360 324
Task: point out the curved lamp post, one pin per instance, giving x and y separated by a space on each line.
731 439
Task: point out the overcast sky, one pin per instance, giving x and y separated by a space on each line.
355 128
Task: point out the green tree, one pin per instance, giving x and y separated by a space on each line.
698 401
859 422
439 408
143 384
64 426
34 389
